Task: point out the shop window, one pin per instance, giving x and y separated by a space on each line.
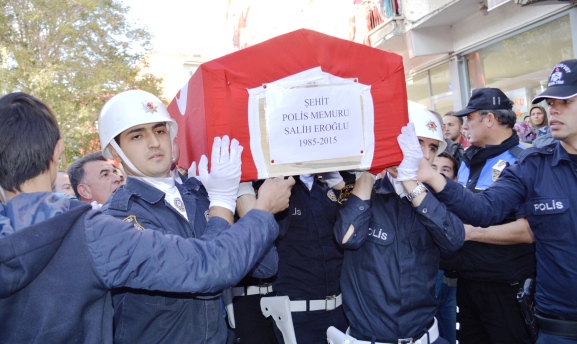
520 65
418 88
438 81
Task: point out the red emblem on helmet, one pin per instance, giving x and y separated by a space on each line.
432 126
149 107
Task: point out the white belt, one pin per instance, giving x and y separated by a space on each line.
433 335
327 304
262 289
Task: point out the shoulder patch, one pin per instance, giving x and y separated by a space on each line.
345 193
535 151
132 218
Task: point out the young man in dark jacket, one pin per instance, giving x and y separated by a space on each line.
394 234
59 258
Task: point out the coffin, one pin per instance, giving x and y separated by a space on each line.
303 102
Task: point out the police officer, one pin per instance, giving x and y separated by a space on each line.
393 245
137 131
489 275
542 185
310 260
247 322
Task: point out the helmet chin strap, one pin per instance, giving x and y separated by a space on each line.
125 159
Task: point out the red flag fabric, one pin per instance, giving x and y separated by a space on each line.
215 101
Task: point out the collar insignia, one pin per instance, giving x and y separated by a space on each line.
178 204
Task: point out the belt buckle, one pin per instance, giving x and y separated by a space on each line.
406 341
330 303
264 286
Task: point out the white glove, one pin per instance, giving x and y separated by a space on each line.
412 153
331 178
245 188
399 188
224 178
192 171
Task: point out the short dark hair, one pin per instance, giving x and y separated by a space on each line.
453 160
505 117
76 170
28 135
450 113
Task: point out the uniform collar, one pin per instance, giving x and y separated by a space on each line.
121 198
559 153
144 190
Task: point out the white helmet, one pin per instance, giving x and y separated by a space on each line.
427 125
128 109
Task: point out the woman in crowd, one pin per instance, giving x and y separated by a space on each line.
539 122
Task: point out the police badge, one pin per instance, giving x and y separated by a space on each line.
331 195
432 126
498 169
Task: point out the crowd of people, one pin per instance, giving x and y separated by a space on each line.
124 247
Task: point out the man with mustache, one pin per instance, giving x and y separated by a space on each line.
489 275
93 179
540 186
136 130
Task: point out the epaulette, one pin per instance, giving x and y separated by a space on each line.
533 151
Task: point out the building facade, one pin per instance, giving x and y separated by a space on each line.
451 47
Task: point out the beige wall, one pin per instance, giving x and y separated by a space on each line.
175 69
479 28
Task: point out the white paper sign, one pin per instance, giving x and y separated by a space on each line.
314 123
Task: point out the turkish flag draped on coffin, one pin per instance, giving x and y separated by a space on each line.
325 96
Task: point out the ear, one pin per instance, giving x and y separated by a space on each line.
58 149
491 120
53 169
84 191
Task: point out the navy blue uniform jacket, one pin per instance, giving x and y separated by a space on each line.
154 317
310 258
542 185
391 261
